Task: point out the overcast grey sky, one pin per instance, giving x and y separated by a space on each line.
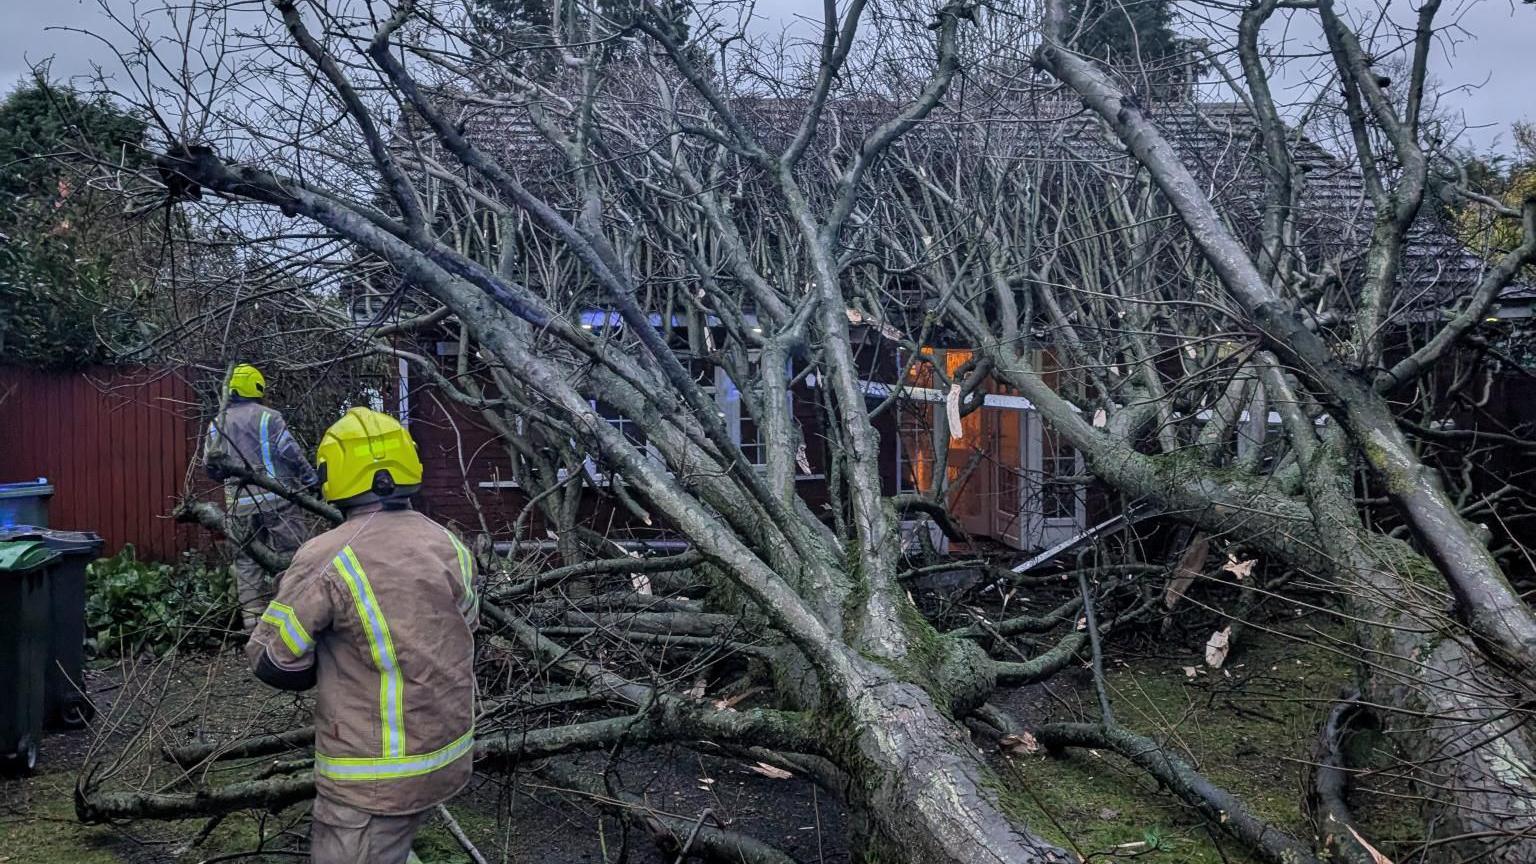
1496 61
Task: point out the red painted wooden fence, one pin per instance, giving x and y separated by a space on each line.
115 443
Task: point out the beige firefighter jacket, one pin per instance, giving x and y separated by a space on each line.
255 436
384 607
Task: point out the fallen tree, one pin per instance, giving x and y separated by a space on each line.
653 259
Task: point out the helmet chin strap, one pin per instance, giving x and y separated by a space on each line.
400 499
375 505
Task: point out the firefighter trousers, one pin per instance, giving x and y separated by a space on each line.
281 527
344 835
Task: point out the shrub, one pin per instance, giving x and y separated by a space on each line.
135 606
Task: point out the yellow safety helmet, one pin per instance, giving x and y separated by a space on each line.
246 380
367 453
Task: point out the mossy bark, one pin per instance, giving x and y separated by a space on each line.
1454 714
1455 720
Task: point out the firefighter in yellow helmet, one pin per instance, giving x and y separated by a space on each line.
377 615
248 438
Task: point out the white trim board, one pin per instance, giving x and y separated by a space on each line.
603 481
880 390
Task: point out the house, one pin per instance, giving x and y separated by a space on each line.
1007 478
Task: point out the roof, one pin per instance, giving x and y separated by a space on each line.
1218 140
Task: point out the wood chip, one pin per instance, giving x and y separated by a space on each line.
731 703
771 772
1239 569
1019 744
1376 856
1217 646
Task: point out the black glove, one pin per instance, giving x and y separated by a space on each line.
283 679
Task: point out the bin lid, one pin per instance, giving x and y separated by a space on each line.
54 538
29 489
21 556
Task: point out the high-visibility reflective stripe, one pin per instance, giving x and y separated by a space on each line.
233 496
285 440
466 571
350 768
288 627
391 687
242 494
266 445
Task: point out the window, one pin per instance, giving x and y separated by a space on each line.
375 398
718 386
751 440
630 428
914 448
1058 462
915 460
1065 380
1008 457
738 420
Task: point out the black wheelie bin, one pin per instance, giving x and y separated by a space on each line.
23 651
64 703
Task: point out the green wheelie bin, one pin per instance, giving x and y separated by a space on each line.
23 650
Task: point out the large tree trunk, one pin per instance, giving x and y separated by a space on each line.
1453 713
920 786
1455 718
